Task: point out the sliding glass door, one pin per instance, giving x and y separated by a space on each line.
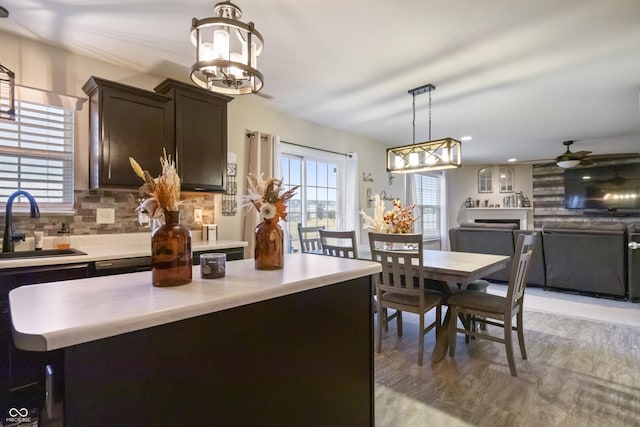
319 200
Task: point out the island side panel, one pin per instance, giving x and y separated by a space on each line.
302 359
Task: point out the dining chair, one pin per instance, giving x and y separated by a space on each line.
496 310
339 243
401 285
310 238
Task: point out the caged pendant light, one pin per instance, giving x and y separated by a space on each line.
425 156
227 52
7 94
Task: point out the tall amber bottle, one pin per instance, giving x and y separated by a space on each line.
269 251
171 256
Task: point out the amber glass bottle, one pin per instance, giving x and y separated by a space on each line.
171 256
269 251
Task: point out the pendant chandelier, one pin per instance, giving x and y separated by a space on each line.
227 51
7 94
425 156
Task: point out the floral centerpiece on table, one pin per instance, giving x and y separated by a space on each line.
268 197
397 220
400 219
163 192
375 223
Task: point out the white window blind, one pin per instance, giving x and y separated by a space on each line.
428 205
36 155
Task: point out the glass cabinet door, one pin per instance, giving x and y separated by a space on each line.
485 180
506 180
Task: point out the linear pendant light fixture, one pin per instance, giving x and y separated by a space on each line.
7 94
425 156
227 52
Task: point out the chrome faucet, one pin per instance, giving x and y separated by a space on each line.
8 237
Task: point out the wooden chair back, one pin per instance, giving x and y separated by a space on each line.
400 268
310 238
339 243
519 271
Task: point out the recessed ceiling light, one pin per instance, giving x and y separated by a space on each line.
466 138
512 160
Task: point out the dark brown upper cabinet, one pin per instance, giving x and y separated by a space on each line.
200 126
126 121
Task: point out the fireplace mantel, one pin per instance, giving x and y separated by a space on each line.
522 214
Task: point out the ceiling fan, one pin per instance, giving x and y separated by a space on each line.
571 159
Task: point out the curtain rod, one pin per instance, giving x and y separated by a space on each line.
319 149
251 135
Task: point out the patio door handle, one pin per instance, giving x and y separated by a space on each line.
634 245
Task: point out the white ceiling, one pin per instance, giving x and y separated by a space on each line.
520 76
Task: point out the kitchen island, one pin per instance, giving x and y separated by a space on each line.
285 347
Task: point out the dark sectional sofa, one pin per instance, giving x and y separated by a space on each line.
633 262
589 258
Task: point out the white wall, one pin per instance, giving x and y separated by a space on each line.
46 67
463 183
247 114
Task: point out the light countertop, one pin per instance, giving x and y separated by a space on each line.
111 246
61 314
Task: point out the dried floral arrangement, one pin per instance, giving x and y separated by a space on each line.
397 220
375 223
163 192
268 197
400 219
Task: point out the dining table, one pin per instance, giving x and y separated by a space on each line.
457 270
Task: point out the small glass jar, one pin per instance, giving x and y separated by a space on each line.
63 241
212 266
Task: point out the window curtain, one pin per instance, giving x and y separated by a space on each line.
262 154
412 197
352 196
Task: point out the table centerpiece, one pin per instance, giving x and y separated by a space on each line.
398 220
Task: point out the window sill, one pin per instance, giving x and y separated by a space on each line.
43 211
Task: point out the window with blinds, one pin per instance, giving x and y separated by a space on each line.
428 205
36 155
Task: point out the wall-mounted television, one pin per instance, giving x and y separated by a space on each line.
604 187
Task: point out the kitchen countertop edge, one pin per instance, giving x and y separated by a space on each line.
61 314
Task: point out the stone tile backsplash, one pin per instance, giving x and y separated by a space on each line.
126 219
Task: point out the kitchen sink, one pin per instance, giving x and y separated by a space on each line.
40 254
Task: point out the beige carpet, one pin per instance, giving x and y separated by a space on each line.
579 372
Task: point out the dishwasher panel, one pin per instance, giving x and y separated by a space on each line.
122 265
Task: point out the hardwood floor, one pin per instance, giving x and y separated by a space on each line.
573 305
582 370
